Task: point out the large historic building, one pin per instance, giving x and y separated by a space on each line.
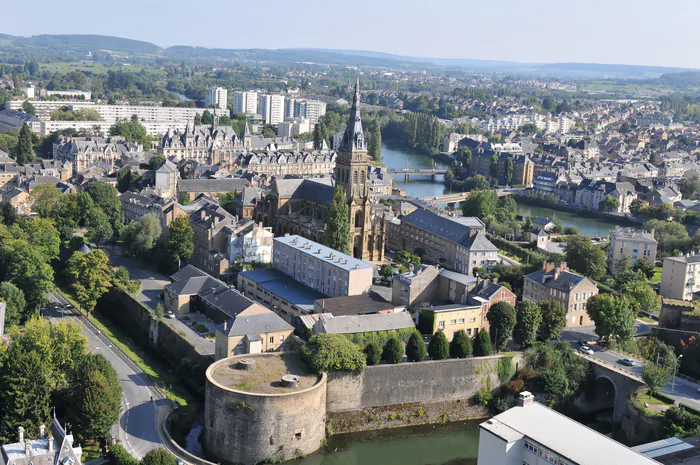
84 152
301 206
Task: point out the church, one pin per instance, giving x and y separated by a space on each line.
301 206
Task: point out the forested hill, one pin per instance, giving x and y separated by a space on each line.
82 43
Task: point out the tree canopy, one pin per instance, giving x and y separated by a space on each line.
502 318
613 316
90 277
337 234
332 352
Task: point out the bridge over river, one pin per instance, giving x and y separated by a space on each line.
460 196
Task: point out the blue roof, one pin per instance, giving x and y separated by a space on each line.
281 285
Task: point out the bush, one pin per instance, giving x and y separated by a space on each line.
119 456
415 349
159 457
482 345
460 346
514 386
332 352
373 354
506 369
501 404
393 350
438 348
426 321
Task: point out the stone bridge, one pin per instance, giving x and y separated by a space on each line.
613 386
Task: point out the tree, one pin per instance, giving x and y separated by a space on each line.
95 397
158 457
613 316
28 108
646 267
482 345
159 312
133 131
553 319
386 271
502 318
89 275
25 150
655 377
180 235
374 147
509 170
438 347
529 317
26 266
642 296
337 235
120 456
45 198
99 227
464 155
506 369
586 258
106 197
480 204
689 186
460 346
207 117
154 162
373 353
415 348
332 352
609 203
15 304
141 236
393 350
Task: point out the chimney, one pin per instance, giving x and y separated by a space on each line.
557 272
27 448
526 398
20 430
50 442
42 431
225 325
494 280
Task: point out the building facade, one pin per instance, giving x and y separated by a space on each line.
245 102
680 277
631 245
271 107
216 97
211 239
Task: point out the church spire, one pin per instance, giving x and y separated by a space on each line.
353 137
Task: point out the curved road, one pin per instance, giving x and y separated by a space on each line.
139 427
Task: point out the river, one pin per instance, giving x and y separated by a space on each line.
423 186
454 444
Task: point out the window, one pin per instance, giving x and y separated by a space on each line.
272 339
530 447
469 332
441 324
461 321
281 338
453 322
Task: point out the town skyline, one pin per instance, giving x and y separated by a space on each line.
613 38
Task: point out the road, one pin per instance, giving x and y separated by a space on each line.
138 430
681 390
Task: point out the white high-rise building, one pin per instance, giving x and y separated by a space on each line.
289 105
271 107
310 109
217 97
245 102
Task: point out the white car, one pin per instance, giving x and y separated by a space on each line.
586 350
169 314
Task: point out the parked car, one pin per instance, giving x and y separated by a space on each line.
169 314
586 350
628 361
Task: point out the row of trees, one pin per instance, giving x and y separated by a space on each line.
50 364
526 323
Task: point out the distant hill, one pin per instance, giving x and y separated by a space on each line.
87 42
61 44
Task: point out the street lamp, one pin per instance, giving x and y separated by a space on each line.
673 381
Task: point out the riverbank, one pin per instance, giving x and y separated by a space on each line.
614 218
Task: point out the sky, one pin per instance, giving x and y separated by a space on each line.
641 32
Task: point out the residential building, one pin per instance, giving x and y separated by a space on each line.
216 97
166 179
135 206
310 109
450 143
321 268
680 276
417 285
19 199
84 152
245 202
245 102
281 164
590 193
532 434
456 243
271 107
251 243
53 446
252 331
363 304
206 144
12 120
8 172
364 324
557 283
451 318
211 239
294 127
631 245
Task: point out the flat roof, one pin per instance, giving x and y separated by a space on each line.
324 253
281 285
663 447
563 435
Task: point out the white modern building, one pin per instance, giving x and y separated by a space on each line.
294 127
216 97
245 102
310 109
81 94
532 434
271 107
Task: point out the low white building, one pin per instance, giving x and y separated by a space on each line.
251 242
532 434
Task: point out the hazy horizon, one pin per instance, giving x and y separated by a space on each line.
544 31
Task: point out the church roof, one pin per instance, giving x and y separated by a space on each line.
353 137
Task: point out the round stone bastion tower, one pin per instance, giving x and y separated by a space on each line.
263 407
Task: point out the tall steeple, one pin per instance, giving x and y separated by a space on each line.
354 137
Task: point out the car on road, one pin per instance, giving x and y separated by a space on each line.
169 314
586 350
627 361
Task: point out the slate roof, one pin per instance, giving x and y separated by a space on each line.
186 272
254 325
455 230
351 324
458 277
565 282
363 304
314 190
192 285
212 185
225 299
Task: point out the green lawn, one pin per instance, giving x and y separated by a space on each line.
651 400
657 275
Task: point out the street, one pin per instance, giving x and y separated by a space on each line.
138 430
